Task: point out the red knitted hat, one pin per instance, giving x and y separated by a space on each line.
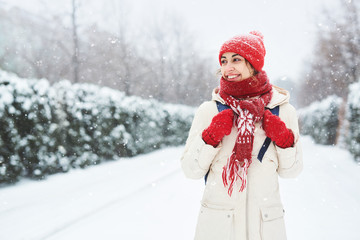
249 46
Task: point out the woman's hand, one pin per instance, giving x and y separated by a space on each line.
276 129
220 126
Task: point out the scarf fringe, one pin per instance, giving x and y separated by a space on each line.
233 171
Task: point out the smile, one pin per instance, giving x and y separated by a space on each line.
233 77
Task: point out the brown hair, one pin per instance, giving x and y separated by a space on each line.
252 69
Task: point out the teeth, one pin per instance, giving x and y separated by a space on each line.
234 76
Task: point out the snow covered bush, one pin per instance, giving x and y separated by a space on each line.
10 165
353 119
27 125
320 120
146 118
48 129
177 123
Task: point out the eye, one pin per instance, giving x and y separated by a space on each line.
223 61
237 59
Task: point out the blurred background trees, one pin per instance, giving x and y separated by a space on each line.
335 62
329 93
161 60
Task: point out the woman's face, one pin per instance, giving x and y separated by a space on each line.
234 67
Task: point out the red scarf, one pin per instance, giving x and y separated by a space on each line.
248 111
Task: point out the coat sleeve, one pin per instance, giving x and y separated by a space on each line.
290 159
198 156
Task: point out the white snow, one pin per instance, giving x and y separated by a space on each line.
148 197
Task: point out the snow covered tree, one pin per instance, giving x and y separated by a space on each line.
180 73
165 65
335 63
33 47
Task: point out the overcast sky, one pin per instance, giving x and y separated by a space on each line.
288 25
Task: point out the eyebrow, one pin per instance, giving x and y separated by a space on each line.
232 55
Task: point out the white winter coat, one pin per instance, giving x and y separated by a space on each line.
257 212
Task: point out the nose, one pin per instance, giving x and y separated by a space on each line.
229 67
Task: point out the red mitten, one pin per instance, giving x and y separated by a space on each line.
220 126
276 129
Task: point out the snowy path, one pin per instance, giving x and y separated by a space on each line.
41 210
147 197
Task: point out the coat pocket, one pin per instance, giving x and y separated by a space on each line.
272 223
214 223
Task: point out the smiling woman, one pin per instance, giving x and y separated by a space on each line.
235 68
241 148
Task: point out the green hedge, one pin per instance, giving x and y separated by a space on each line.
353 118
320 120
48 129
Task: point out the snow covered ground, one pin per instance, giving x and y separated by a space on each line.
147 197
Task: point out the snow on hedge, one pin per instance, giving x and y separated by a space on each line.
320 120
47 129
353 119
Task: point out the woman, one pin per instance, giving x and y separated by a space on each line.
241 200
